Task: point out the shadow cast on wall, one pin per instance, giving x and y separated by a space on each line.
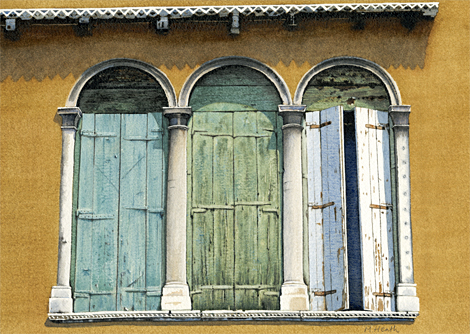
47 51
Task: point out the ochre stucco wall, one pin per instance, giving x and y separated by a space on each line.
431 69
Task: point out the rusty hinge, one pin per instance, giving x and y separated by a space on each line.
141 138
377 127
383 207
323 293
316 126
86 133
321 206
382 294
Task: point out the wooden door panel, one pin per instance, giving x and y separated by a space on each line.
235 246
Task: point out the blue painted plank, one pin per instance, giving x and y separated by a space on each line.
315 216
105 202
156 180
327 226
84 249
334 216
133 213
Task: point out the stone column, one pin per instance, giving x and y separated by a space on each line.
176 291
61 294
406 289
294 293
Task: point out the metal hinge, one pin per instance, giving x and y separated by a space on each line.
91 216
140 138
323 293
97 134
377 127
157 210
383 294
316 126
313 206
382 207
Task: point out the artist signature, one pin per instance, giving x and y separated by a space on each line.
381 329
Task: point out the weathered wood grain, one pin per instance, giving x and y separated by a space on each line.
375 214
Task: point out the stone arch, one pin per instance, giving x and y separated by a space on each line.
151 70
205 68
380 72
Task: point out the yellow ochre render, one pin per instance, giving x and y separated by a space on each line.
431 69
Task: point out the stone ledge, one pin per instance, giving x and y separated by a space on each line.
307 316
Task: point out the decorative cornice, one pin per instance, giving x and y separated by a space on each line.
233 315
429 9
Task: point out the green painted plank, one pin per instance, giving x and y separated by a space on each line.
258 97
133 216
84 254
246 217
268 227
223 260
202 223
105 201
234 76
156 173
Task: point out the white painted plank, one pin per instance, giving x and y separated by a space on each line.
315 217
365 214
385 191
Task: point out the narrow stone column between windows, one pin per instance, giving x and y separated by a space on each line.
61 295
294 294
176 291
406 288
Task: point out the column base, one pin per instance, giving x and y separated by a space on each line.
61 300
294 297
407 301
176 297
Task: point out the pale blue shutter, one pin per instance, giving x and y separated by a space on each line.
375 204
97 214
327 210
140 226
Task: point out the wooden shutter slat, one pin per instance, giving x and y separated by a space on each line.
156 178
327 250
375 216
105 201
133 223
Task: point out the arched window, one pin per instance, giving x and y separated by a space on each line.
351 248
119 193
234 184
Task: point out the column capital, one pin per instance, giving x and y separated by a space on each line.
177 115
400 115
70 117
292 114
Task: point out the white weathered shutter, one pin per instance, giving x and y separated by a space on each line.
375 204
327 210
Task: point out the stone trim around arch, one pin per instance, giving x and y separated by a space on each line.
380 72
161 78
211 65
